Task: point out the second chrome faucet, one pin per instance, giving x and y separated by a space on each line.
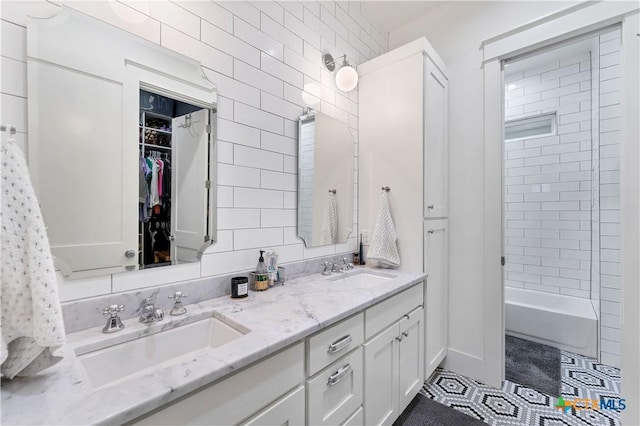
150 313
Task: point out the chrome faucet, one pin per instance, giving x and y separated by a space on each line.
150 313
113 322
346 266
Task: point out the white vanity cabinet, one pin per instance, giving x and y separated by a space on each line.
335 393
436 293
232 400
405 146
288 410
333 377
394 357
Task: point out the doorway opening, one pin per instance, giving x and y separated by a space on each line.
561 220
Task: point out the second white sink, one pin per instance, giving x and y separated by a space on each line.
363 277
126 360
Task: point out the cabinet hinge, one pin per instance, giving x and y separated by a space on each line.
208 128
207 184
503 261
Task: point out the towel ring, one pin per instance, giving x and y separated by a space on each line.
386 189
333 191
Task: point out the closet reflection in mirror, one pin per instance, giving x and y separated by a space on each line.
121 147
325 180
172 206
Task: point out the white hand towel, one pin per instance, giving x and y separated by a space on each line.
329 233
32 329
384 249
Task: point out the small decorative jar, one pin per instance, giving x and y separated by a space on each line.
239 287
260 282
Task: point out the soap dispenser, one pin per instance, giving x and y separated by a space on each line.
260 276
261 268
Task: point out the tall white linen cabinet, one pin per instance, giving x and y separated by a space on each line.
403 132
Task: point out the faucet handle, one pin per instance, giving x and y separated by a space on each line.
114 323
327 268
178 295
113 310
178 307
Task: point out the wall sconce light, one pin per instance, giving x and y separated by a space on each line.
346 77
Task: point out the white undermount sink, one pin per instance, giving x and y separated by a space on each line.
136 357
363 277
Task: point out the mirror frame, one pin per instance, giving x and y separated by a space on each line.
114 55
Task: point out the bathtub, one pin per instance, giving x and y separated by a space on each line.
564 322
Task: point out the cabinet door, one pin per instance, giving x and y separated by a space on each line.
381 378
436 293
289 410
411 357
189 144
436 155
84 168
336 392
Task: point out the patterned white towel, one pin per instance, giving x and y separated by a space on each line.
32 329
329 233
384 249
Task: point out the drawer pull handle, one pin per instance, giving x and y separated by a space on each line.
339 375
340 344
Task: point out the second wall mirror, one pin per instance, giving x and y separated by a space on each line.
325 180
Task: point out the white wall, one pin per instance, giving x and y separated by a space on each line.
456 30
262 56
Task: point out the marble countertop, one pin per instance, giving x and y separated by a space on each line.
272 320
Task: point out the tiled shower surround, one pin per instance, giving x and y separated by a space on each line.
562 191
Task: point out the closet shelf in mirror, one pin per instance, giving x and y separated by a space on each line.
156 115
153 146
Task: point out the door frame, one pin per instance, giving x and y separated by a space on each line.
566 24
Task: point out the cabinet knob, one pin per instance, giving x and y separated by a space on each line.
430 206
130 253
405 333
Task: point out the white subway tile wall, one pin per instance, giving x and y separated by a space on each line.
265 58
562 195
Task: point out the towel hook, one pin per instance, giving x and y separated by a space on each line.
386 189
333 191
8 128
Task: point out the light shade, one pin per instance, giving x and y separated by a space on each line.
346 78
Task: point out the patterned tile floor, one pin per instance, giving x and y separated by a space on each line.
516 404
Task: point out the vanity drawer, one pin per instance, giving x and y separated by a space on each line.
380 316
328 345
336 392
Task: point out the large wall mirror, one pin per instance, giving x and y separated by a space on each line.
325 180
121 147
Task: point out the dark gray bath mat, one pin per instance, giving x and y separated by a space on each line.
533 365
424 411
